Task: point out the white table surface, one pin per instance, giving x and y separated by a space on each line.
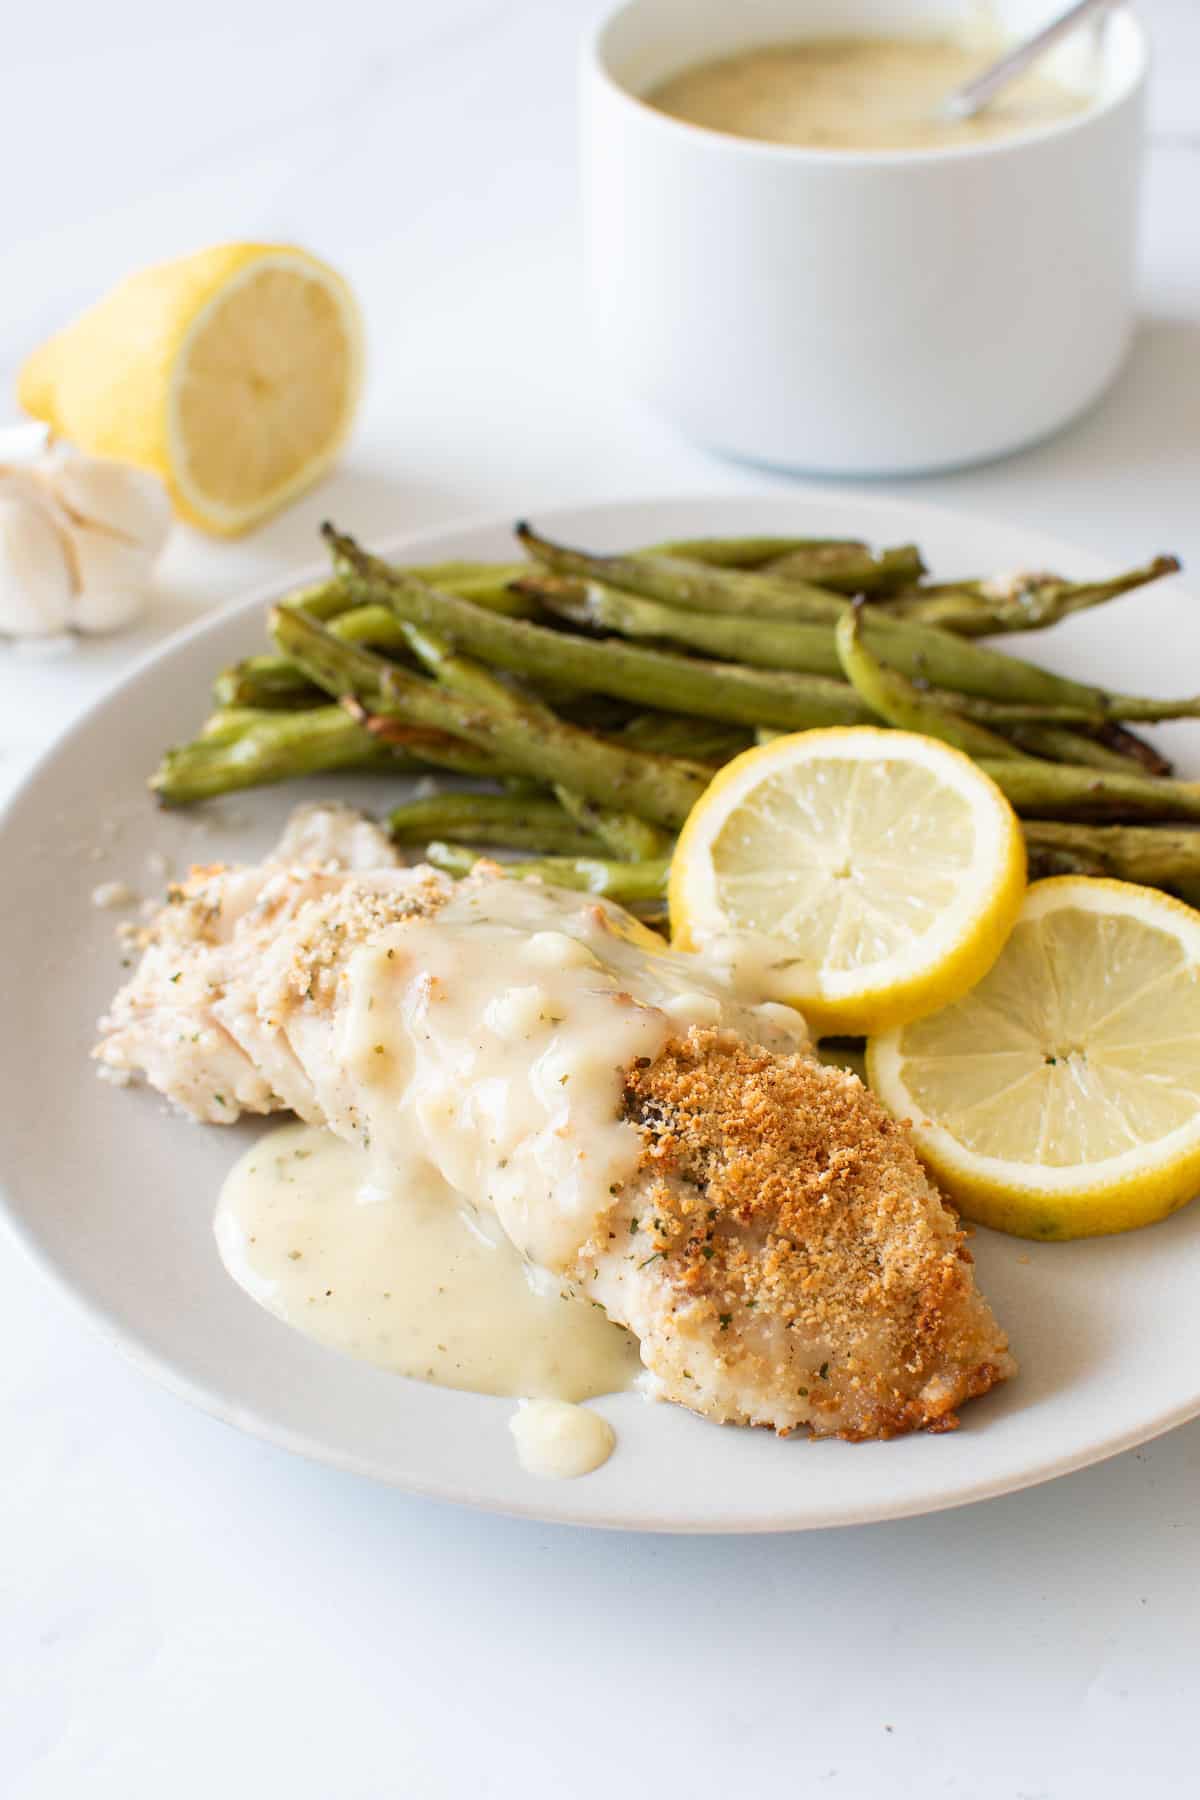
186 1612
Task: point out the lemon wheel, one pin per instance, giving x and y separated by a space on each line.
869 875
1061 1098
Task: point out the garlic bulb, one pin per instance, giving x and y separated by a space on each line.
79 537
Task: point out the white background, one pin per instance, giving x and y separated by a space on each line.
183 1611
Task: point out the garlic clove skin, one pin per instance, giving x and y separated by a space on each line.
111 579
36 581
27 485
114 496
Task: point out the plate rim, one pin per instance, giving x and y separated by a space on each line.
158 1365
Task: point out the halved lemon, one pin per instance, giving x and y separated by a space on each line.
1061 1098
869 876
234 374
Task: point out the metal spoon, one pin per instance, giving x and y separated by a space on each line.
966 101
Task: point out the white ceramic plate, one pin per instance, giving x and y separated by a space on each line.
114 1197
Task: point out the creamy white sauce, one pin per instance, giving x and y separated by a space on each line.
560 1441
754 963
406 1276
491 1043
858 93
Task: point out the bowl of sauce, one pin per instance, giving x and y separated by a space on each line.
800 259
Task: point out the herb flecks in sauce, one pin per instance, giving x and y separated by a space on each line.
857 93
406 1276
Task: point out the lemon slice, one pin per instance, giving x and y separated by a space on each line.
1061 1098
869 876
233 374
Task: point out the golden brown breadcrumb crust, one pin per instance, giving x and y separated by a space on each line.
784 1196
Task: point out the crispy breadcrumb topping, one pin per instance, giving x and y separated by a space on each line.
783 1199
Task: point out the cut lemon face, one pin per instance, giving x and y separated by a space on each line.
1061 1098
866 876
234 374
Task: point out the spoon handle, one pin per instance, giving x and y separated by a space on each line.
966 101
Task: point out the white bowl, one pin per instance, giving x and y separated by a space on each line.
855 312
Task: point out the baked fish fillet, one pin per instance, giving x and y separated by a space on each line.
676 1154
